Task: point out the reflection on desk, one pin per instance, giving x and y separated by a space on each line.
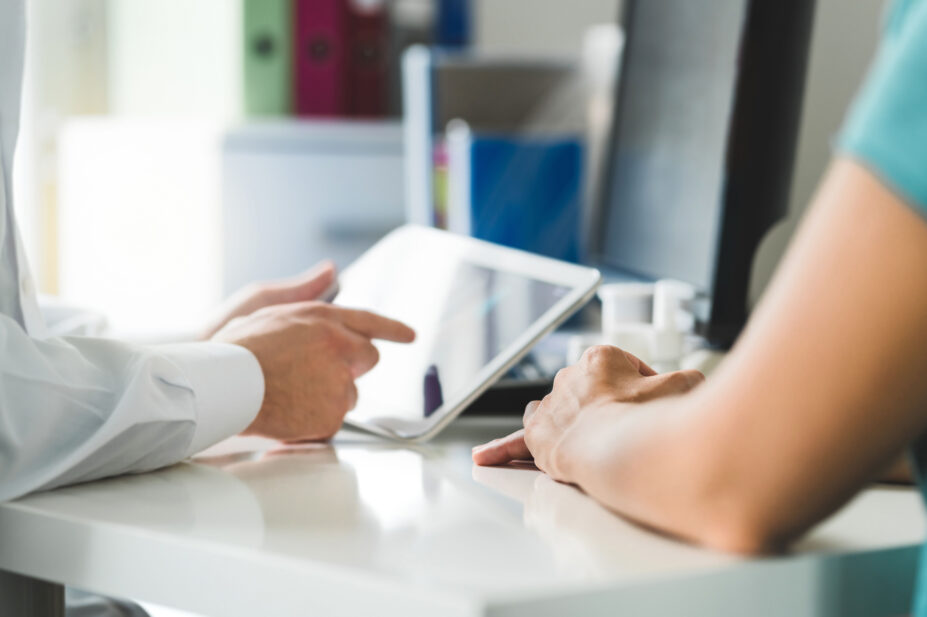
587 539
412 529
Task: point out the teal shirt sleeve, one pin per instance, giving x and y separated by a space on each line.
886 129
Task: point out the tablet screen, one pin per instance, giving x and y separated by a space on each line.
464 314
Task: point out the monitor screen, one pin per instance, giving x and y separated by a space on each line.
666 170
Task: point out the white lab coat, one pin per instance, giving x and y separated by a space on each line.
76 409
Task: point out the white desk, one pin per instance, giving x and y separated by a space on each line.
364 527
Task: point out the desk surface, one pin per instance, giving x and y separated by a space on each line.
363 525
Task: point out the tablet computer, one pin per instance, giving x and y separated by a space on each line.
477 308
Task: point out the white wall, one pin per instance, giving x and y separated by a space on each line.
175 58
542 27
65 74
138 239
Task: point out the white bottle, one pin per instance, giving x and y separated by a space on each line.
668 336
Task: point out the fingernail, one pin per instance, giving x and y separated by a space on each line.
694 378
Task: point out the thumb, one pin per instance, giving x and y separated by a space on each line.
305 287
639 365
677 382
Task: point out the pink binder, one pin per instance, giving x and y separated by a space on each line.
319 57
368 51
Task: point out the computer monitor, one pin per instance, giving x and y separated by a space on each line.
699 161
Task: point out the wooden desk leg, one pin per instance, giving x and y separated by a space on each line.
30 597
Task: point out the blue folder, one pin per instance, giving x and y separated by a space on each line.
526 193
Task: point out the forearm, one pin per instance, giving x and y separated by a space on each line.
819 396
83 408
652 464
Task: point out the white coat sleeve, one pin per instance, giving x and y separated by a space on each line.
75 409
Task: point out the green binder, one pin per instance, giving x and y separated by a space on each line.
267 57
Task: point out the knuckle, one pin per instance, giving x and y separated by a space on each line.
530 408
373 355
317 309
531 412
599 355
344 378
350 398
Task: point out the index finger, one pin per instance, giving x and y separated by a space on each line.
504 450
373 326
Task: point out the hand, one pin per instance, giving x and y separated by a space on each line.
603 375
310 353
302 288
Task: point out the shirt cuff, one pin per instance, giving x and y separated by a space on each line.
227 383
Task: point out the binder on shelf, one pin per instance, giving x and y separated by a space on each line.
494 95
368 54
453 23
266 39
520 191
319 57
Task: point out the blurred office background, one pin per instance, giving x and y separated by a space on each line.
147 184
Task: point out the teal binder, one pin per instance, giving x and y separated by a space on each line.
267 52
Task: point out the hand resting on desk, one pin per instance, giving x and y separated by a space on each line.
604 374
823 390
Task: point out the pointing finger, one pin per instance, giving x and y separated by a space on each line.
365 323
376 326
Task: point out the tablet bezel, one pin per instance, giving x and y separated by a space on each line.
581 281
